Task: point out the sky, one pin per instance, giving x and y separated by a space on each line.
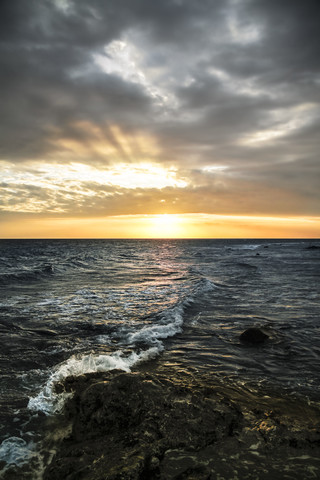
168 118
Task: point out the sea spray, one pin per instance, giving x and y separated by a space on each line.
17 453
169 323
49 401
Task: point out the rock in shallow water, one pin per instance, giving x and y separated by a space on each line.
253 335
143 426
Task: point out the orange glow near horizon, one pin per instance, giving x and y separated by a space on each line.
166 226
163 226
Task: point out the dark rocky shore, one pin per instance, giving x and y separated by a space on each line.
165 425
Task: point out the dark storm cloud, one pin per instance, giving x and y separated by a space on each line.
233 83
293 32
41 100
47 77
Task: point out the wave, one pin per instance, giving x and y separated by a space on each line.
48 401
27 275
18 452
146 343
169 325
170 321
247 265
253 246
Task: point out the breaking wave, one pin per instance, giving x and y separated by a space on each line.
145 342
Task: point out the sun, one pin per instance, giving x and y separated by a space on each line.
165 226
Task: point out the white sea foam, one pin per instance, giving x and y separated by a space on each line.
48 401
246 247
171 320
169 323
16 451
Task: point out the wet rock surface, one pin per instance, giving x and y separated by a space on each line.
163 426
253 336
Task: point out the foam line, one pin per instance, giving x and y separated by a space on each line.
48 401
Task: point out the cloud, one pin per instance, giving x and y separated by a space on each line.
176 83
77 190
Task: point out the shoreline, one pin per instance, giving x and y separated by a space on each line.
158 422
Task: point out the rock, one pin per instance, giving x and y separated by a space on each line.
139 426
313 247
253 335
48 268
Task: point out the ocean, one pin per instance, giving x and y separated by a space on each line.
69 307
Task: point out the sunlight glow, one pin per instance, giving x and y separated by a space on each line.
165 226
74 175
214 168
106 142
141 175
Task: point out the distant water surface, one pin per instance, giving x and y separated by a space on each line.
75 306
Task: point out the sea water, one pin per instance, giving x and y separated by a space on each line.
69 307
